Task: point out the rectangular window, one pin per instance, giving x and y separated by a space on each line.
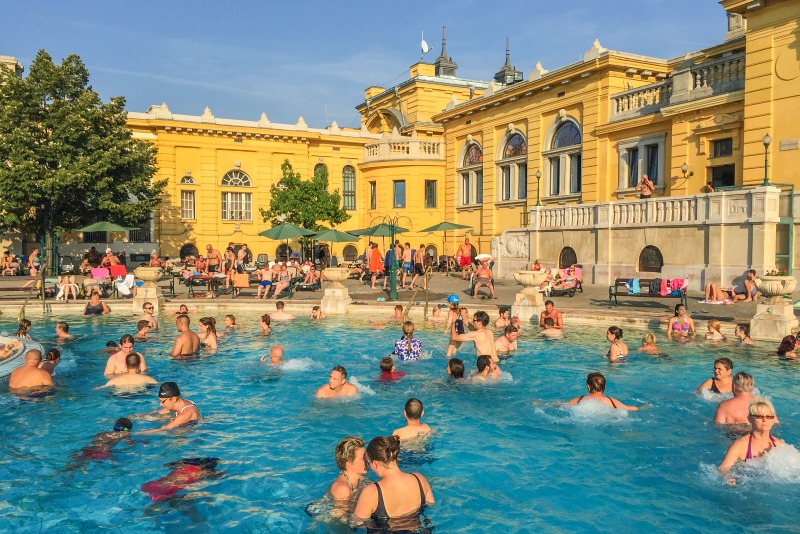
140 235
575 173
465 189
523 181
373 195
505 194
95 237
633 167
187 205
723 148
349 190
555 176
237 206
479 187
652 162
400 194
430 193
723 176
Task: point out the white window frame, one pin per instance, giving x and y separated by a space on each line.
641 143
237 206
508 173
188 204
564 156
470 180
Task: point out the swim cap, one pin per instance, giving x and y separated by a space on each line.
123 425
168 389
453 299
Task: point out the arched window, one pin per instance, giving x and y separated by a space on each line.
513 169
187 199
188 250
320 167
348 188
567 258
283 252
431 251
236 205
562 169
650 260
470 183
187 180
350 253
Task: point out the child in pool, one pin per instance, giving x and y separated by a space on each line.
648 343
436 316
388 373
550 331
713 333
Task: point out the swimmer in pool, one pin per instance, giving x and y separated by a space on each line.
101 446
455 368
62 331
618 349
413 412
742 332
337 385
51 360
504 320
230 321
648 344
596 384
148 316
722 381
550 331
681 327
275 355
350 459
264 323
487 369
761 416
116 364
506 343
182 310
735 411
436 316
482 337
714 333
187 342
317 313
279 314
388 372
133 377
10 349
144 328
171 401
28 375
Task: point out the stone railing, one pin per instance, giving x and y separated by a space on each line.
721 75
644 100
404 148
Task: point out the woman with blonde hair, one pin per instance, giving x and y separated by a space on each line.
714 333
350 458
755 444
407 348
648 343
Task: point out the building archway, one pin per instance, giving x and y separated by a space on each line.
567 258
189 249
650 260
350 253
283 252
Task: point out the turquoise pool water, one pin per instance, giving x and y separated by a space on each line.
497 463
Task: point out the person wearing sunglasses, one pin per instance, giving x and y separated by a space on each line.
148 316
761 414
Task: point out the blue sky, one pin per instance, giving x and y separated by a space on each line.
315 59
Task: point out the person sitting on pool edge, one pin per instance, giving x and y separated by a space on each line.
761 416
275 355
133 377
734 411
487 369
187 342
337 385
596 384
413 412
350 459
169 395
388 373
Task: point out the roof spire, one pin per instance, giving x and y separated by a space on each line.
508 74
508 54
445 66
444 42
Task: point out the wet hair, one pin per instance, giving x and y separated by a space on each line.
24 326
398 307
210 324
341 369
510 329
714 324
126 338
141 324
279 305
550 302
132 361
743 382
346 450
761 406
615 331
63 326
649 340
745 328
726 363
53 355
386 364
413 408
678 307
483 362
232 318
182 306
549 321
596 382
408 331
787 345
482 317
111 343
518 321
315 308
265 319
383 449
456 368
504 309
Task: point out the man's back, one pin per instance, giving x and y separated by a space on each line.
186 343
130 380
28 376
733 411
412 431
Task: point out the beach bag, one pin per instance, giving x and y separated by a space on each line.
241 280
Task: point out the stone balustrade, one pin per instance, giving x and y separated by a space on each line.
644 100
724 74
395 148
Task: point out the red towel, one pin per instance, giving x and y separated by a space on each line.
664 287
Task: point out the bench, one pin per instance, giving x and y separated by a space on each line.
620 289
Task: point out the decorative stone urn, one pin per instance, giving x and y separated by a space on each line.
775 287
149 292
336 298
775 318
529 302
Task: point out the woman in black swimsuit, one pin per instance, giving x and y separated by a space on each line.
396 502
722 381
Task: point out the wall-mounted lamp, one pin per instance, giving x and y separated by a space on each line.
685 169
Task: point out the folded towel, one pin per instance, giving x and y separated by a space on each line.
635 290
664 287
629 284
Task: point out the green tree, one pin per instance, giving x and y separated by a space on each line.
66 158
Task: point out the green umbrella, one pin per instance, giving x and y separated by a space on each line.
285 231
336 236
379 230
444 227
105 226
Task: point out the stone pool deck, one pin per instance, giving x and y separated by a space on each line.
591 305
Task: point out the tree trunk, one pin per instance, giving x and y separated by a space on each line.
50 258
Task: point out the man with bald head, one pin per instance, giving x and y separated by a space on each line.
29 375
275 355
187 342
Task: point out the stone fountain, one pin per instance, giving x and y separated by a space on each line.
149 292
336 298
529 302
774 319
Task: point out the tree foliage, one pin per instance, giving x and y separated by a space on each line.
67 159
304 203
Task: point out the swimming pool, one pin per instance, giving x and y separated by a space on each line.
496 463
